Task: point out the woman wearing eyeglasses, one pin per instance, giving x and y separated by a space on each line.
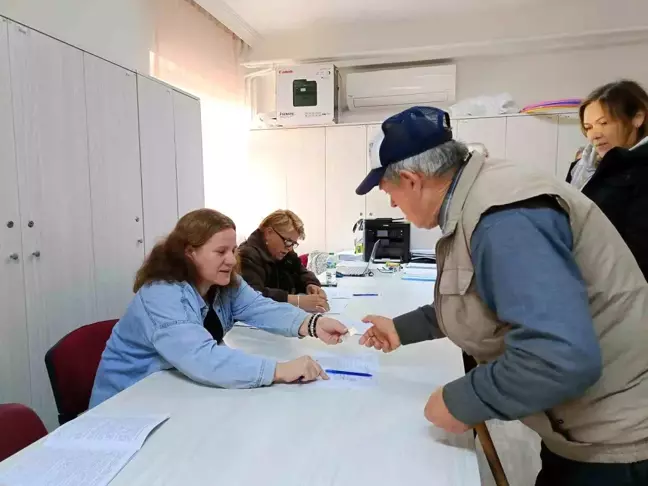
270 265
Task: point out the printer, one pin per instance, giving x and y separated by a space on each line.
395 236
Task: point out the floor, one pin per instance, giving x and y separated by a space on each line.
518 448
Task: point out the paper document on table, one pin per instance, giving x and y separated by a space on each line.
89 451
337 306
424 274
338 293
99 432
49 466
348 371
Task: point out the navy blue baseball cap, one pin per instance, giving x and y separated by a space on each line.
409 133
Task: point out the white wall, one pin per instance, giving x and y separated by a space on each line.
551 75
444 36
528 78
121 31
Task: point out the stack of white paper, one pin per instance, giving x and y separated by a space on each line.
89 451
427 274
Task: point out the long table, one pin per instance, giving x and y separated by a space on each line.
301 435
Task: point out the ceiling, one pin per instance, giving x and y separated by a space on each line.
273 16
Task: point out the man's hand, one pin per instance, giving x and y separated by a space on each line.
313 289
437 413
382 335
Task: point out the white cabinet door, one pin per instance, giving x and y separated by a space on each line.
189 153
265 179
54 186
378 203
489 131
157 147
305 153
533 141
115 182
570 140
346 160
14 351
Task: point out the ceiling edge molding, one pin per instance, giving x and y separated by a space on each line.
499 47
232 20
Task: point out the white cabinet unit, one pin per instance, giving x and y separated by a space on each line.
115 182
265 181
570 140
488 131
346 149
378 203
52 159
157 147
533 141
14 351
188 148
304 153
87 154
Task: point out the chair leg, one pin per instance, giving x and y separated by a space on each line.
491 455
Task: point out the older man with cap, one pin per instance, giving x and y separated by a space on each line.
537 285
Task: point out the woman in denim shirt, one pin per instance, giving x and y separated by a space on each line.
188 296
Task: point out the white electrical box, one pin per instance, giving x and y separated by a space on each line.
307 95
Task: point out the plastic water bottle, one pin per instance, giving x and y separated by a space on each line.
331 264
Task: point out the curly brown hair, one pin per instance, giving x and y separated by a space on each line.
168 261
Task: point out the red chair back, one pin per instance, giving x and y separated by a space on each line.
72 365
20 427
304 259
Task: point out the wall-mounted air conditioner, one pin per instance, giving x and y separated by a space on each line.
427 85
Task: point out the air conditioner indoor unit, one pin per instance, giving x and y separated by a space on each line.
426 85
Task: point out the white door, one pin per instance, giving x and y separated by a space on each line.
533 141
157 147
115 183
265 179
489 131
14 351
189 153
570 140
346 160
54 186
378 203
305 153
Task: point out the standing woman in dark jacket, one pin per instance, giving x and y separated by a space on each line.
270 265
613 169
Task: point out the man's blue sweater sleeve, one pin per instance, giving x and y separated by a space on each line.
526 274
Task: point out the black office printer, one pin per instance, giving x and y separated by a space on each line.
395 234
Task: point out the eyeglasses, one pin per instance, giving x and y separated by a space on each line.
288 243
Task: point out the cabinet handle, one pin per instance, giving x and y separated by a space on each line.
36 254
10 224
140 241
30 224
14 257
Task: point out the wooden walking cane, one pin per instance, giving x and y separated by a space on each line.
491 454
485 438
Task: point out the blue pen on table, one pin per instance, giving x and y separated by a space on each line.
365 295
348 373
